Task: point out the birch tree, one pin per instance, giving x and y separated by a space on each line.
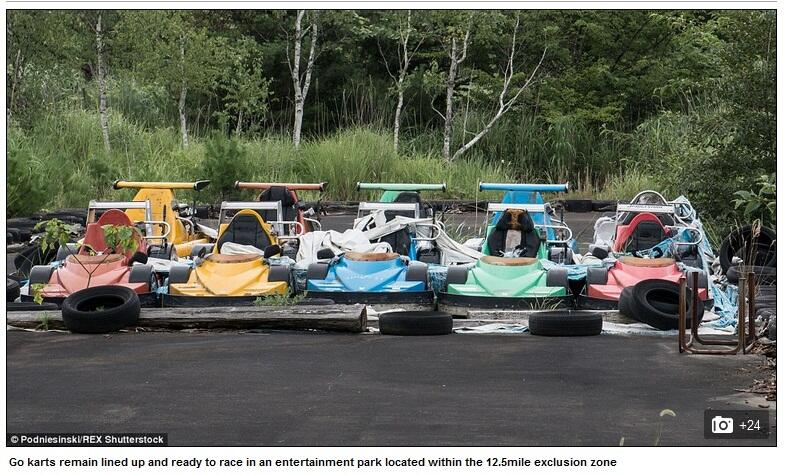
302 80
406 49
506 98
99 53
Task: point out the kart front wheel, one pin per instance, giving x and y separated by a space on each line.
557 277
417 272
40 275
596 275
317 271
457 275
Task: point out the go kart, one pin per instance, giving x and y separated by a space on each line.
236 270
181 218
652 239
94 263
541 213
511 274
383 279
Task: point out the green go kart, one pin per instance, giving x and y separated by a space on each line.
511 275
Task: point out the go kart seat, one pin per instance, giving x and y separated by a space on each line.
287 199
94 235
405 197
644 232
245 229
514 231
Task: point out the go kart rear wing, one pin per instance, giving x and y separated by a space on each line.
542 188
535 208
365 207
246 185
162 185
148 221
403 186
278 225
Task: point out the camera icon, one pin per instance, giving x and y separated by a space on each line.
722 425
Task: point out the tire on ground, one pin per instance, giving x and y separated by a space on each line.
415 323
102 309
655 302
565 323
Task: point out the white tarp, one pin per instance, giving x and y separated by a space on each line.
351 240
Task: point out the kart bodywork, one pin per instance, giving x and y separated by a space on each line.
185 232
107 267
235 270
647 227
511 274
395 278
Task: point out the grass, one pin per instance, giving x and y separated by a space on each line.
278 300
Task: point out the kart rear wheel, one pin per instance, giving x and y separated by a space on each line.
596 275
417 272
557 277
415 323
40 274
142 274
565 323
165 252
740 242
67 249
11 290
457 275
201 250
102 309
317 271
179 274
279 273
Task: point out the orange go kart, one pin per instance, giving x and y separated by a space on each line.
96 263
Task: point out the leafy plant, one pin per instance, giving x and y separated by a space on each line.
761 204
55 234
38 293
45 322
120 239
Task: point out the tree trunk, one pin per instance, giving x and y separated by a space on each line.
239 129
183 93
301 85
398 110
104 116
448 106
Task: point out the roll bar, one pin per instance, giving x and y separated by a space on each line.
247 185
555 187
162 185
402 186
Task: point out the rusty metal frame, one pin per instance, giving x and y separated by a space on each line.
745 326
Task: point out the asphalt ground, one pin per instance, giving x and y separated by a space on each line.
286 388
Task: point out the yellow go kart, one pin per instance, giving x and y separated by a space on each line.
236 270
185 231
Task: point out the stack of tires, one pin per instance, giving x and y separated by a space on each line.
655 302
753 249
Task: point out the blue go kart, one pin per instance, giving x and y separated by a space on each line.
386 280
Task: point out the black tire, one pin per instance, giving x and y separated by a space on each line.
603 205
703 279
740 243
578 206
13 235
279 273
40 274
557 277
139 257
655 302
11 290
600 252
417 272
179 274
596 275
30 306
317 271
415 323
66 250
763 275
625 302
102 309
456 275
141 274
166 252
565 323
